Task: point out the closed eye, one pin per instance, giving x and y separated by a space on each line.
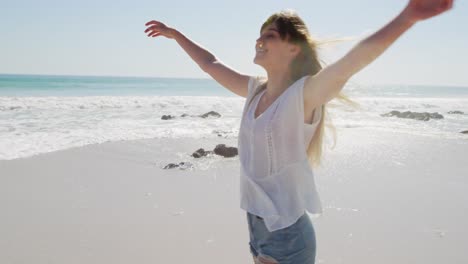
269 36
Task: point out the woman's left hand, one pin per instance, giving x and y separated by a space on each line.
418 10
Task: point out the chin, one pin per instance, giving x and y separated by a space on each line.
258 61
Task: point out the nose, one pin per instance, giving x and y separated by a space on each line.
259 42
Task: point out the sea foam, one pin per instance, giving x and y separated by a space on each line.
33 125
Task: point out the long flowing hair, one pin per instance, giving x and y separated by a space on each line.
293 29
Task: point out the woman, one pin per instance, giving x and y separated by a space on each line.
282 123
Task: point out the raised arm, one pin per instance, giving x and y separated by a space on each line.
227 77
326 84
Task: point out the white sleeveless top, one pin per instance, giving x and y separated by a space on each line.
276 180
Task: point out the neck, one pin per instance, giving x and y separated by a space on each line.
278 82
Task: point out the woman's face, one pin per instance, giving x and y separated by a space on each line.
272 51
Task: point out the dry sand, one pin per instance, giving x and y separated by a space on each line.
387 198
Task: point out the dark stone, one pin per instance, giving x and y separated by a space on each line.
185 165
199 153
414 115
464 132
455 112
171 166
211 113
184 115
436 116
392 113
167 117
181 165
224 151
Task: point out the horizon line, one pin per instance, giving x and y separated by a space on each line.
351 82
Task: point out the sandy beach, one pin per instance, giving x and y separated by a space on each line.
387 198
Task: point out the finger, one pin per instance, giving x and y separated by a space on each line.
152 22
157 27
149 29
149 32
153 28
153 34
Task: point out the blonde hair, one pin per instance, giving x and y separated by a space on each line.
293 29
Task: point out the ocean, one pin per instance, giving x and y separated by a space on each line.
42 113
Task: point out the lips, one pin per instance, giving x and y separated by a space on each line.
261 50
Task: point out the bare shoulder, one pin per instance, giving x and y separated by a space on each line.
322 87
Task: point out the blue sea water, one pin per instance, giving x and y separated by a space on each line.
43 113
50 85
62 85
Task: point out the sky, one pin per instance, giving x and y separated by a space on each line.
107 37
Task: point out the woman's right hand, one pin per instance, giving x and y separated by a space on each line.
156 28
227 77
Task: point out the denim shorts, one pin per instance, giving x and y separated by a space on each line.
294 244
